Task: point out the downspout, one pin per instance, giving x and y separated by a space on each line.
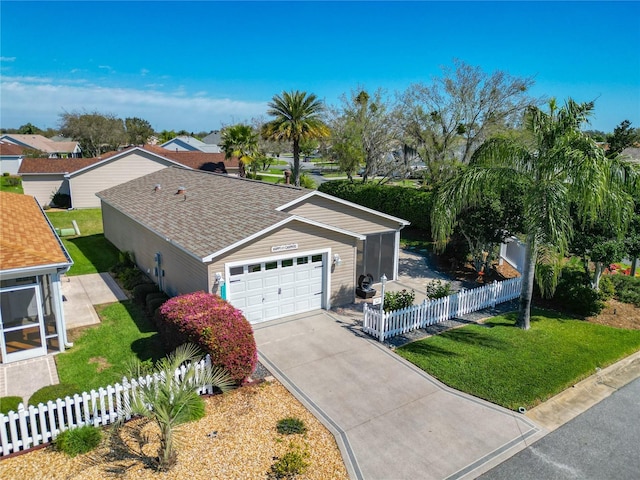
61 324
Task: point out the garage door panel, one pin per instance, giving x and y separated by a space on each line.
264 291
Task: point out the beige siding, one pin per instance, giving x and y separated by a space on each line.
85 184
343 216
183 273
309 238
44 186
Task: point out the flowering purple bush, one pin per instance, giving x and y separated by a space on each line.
215 326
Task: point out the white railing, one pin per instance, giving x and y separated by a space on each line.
35 425
430 312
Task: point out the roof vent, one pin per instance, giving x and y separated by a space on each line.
181 191
157 188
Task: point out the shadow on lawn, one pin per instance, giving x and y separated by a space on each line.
99 251
458 336
147 348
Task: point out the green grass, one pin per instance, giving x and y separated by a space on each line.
515 368
91 252
412 237
100 354
10 188
334 174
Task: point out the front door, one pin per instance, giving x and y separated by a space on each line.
21 323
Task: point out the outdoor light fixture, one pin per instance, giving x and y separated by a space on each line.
218 277
337 261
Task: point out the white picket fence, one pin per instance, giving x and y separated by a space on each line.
387 325
33 426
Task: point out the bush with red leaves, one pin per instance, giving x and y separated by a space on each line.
213 324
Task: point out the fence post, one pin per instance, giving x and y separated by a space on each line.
381 324
494 288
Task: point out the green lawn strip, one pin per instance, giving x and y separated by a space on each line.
101 354
516 368
90 251
10 188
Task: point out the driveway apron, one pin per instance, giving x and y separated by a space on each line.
390 419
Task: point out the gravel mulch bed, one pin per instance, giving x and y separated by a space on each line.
237 439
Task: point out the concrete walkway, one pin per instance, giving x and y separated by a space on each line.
390 419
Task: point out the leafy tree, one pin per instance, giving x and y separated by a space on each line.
308 146
596 135
138 130
242 142
172 401
452 116
165 135
632 239
557 164
297 116
96 132
623 136
364 133
28 129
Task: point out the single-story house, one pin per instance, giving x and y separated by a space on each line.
186 143
81 178
11 156
49 147
271 250
32 259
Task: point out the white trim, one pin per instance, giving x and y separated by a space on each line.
283 222
344 202
326 270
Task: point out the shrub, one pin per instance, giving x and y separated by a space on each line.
132 276
290 426
78 440
627 289
8 404
11 181
61 200
438 289
154 305
292 463
215 326
141 291
575 295
5 174
398 300
607 289
53 392
403 202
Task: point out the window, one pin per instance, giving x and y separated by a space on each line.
302 260
271 266
254 268
236 271
287 263
316 258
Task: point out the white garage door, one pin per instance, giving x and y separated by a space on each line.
268 290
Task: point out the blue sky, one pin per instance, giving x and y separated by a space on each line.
200 65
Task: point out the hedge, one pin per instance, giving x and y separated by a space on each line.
213 324
407 203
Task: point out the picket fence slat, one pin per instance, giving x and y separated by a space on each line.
389 324
35 425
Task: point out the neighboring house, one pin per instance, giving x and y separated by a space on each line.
11 156
81 178
214 138
50 148
632 154
32 258
271 250
186 143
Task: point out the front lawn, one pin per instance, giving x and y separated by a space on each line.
11 183
515 368
90 251
100 354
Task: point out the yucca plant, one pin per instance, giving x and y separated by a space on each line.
171 400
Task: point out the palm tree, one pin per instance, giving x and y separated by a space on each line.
560 166
297 116
242 142
171 401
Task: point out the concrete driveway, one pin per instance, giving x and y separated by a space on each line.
390 419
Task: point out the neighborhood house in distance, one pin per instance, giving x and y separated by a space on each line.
271 250
32 259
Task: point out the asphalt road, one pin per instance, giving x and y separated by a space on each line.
602 443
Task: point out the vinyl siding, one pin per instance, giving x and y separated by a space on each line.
343 216
44 186
309 239
183 273
85 184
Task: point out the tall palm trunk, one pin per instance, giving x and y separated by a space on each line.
524 315
296 162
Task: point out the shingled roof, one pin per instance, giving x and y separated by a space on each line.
26 237
214 212
195 160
